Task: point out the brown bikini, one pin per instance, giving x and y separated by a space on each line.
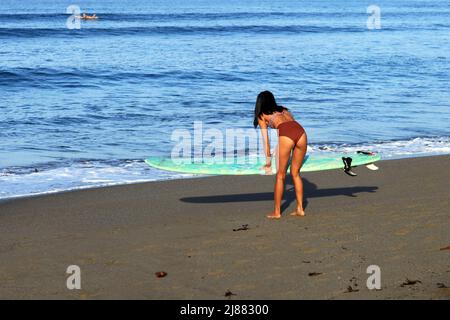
291 129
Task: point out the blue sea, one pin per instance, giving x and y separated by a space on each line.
83 107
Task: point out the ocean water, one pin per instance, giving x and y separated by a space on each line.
83 107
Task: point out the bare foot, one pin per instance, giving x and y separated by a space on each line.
274 216
298 213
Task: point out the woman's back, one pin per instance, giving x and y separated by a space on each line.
278 118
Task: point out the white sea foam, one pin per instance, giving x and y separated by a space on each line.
17 183
392 149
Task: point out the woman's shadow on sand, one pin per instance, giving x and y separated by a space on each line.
310 190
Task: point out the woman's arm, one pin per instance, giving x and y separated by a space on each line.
265 136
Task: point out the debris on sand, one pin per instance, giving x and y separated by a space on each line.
410 282
446 248
229 294
244 227
350 289
442 286
353 286
314 274
160 274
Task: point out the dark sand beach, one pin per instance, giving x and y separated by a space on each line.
397 218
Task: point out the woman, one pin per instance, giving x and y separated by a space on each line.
292 138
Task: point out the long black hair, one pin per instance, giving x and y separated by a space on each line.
265 104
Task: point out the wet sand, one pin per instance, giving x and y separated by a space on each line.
210 236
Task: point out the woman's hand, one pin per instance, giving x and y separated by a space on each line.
268 166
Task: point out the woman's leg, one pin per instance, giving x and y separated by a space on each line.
296 164
285 147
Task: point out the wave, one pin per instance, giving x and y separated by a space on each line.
116 31
55 77
174 30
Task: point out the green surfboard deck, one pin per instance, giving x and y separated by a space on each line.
242 165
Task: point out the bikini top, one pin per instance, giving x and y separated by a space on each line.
276 115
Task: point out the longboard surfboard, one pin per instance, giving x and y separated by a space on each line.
246 166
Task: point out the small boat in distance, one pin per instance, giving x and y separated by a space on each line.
85 16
